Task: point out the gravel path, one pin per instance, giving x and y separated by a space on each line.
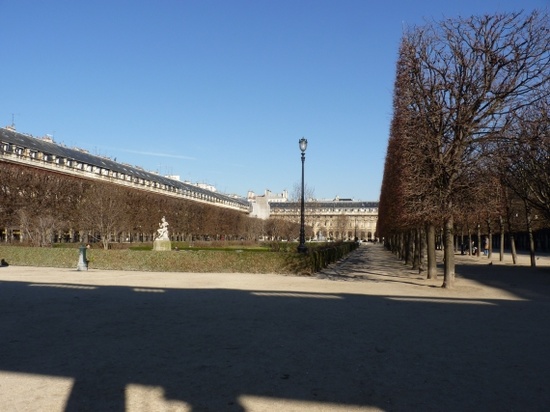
367 334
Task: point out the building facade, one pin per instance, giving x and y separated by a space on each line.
43 153
336 219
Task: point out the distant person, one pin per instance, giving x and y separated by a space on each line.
486 246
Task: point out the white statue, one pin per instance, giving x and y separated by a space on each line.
162 231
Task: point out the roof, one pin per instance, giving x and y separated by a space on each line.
82 156
337 204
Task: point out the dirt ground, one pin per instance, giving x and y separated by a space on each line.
367 334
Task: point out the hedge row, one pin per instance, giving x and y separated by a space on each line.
321 257
190 260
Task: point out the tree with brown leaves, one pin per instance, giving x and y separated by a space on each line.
460 80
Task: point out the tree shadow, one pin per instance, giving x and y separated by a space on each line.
373 263
522 281
210 348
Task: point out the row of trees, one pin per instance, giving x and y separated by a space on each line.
47 207
469 141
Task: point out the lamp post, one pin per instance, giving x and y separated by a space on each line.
302 246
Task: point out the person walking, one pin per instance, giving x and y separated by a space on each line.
486 246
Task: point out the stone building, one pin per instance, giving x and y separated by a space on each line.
43 153
329 219
336 219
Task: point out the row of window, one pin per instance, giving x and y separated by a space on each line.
9 148
289 210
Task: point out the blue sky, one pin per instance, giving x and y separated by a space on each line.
214 91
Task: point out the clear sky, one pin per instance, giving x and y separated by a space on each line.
218 91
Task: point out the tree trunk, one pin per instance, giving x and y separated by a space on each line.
407 249
490 235
421 248
478 250
449 256
532 247
432 262
415 249
501 254
530 234
513 248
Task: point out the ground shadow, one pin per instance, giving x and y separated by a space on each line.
209 347
523 281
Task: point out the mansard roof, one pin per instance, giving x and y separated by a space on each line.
42 145
324 204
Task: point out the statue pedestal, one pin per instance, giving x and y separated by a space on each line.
162 244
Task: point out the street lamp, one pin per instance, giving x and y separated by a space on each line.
302 246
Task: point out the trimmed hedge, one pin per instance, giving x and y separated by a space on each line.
321 257
186 260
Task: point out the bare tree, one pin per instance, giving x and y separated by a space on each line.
102 209
296 194
525 160
464 79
